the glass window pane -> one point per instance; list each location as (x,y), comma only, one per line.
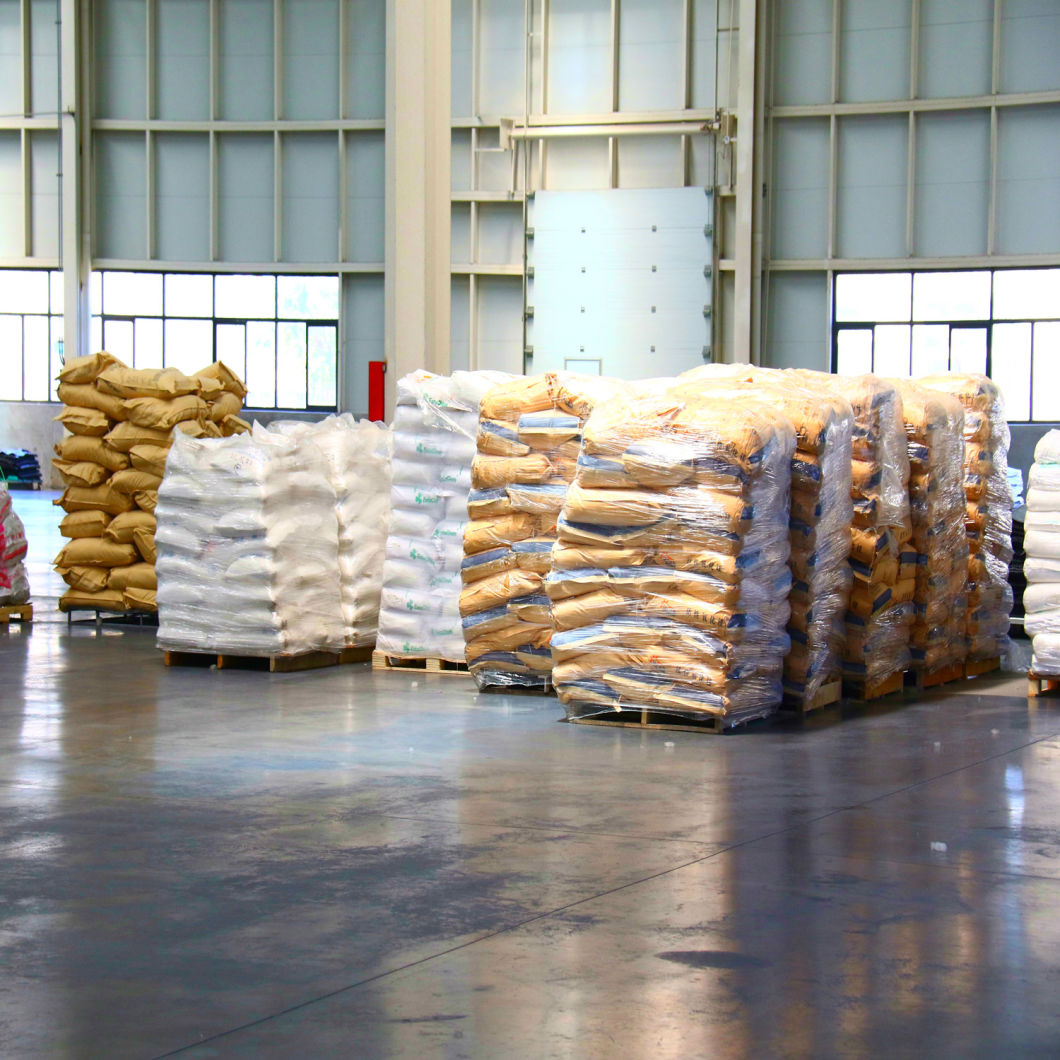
(232,347)
(931,349)
(291,366)
(1011,367)
(873,296)
(261,366)
(188,295)
(246,297)
(854,351)
(148,336)
(23,291)
(1046,371)
(36,358)
(1032,294)
(951,296)
(55,282)
(891,354)
(56,354)
(129,294)
(323,367)
(308,297)
(118,339)
(967,349)
(189,344)
(95,334)
(10,358)
(95,292)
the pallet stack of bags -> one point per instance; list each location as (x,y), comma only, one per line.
(988,510)
(14,585)
(934,427)
(1041,598)
(528,445)
(248,547)
(121,421)
(882,559)
(819,519)
(670,580)
(435,439)
(357,457)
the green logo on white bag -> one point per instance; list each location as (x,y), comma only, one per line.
(447,478)
(427,498)
(440,532)
(413,649)
(430,450)
(415,553)
(410,606)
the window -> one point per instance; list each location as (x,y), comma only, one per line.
(1004,323)
(280,333)
(31,333)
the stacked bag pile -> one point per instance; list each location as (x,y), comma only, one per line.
(528,445)
(121,421)
(819,519)
(1041,598)
(988,510)
(357,459)
(14,585)
(934,426)
(670,583)
(248,547)
(20,466)
(435,435)
(882,559)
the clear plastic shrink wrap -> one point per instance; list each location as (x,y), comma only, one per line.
(988,509)
(14,585)
(934,426)
(357,459)
(435,441)
(820,515)
(247,544)
(529,436)
(1041,598)
(121,421)
(882,557)
(670,579)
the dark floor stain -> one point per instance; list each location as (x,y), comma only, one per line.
(428,1019)
(713,959)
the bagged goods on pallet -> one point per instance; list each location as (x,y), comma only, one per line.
(121,421)
(1041,542)
(248,546)
(435,431)
(882,558)
(934,426)
(14,585)
(669,587)
(988,512)
(819,518)
(528,452)
(357,460)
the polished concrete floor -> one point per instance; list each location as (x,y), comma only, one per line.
(347,864)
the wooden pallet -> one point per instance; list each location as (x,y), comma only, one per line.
(981,666)
(1041,685)
(422,664)
(924,679)
(22,612)
(825,696)
(864,691)
(646,719)
(274,664)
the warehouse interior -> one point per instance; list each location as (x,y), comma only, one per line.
(333,198)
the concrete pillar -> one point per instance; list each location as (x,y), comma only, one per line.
(747,205)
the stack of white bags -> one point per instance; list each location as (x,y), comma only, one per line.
(435,434)
(1041,599)
(14,585)
(252,528)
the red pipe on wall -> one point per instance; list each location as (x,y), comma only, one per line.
(377,391)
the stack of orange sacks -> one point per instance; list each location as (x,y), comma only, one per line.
(121,421)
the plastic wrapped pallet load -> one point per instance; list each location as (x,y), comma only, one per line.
(357,459)
(819,517)
(882,558)
(248,546)
(934,425)
(528,451)
(435,434)
(670,580)
(14,585)
(121,421)
(1041,598)
(988,510)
